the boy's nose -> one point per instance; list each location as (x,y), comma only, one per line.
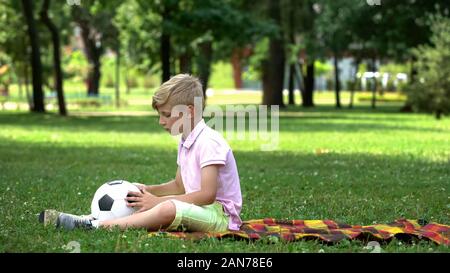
(162,121)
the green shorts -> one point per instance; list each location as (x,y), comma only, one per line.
(190,217)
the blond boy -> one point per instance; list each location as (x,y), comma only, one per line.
(205,194)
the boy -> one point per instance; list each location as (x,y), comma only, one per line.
(205,194)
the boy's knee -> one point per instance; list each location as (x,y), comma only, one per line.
(167,210)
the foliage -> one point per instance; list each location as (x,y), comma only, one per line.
(75,65)
(322,68)
(221,76)
(139,27)
(255,61)
(393,68)
(431,93)
(13,37)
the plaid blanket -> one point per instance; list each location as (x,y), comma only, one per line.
(327,231)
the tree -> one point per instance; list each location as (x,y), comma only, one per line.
(333,27)
(35,60)
(56,56)
(168,8)
(139,38)
(157,18)
(303,46)
(13,43)
(94,19)
(431,93)
(388,31)
(273,67)
(209,30)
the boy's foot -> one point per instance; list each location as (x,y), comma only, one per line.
(64,220)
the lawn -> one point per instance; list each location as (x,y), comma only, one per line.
(356,166)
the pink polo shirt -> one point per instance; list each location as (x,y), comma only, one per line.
(205,146)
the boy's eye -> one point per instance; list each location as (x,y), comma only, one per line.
(166,115)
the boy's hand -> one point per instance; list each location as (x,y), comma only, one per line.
(142,201)
(139,185)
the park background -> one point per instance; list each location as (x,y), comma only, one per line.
(363,89)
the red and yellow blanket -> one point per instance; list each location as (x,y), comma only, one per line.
(325,230)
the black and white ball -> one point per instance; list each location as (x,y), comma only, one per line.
(109,200)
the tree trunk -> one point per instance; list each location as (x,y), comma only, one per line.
(117,83)
(374,85)
(186,62)
(165,57)
(413,71)
(407,107)
(38,94)
(300,79)
(56,57)
(337,85)
(237,68)
(438,114)
(291,96)
(26,77)
(127,84)
(93,54)
(19,84)
(94,77)
(165,44)
(309,85)
(273,86)
(355,79)
(291,84)
(93,50)
(204,64)
(273,83)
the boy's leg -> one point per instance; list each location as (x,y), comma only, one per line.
(64,220)
(160,216)
(206,218)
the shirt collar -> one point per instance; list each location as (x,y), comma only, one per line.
(187,143)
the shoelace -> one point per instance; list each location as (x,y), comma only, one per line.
(85,223)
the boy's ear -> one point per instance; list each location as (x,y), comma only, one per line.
(191,110)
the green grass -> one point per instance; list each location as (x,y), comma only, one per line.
(357,166)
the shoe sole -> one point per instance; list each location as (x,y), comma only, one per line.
(48,217)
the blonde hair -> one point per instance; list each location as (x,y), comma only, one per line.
(181,89)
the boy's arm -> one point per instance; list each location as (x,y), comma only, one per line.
(205,196)
(207,193)
(173,187)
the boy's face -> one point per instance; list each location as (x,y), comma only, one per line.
(167,121)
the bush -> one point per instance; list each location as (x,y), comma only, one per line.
(431,91)
(75,66)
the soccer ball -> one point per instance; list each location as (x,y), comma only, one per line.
(109,200)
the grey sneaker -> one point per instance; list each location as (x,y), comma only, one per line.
(64,220)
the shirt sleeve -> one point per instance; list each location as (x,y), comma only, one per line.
(212,152)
